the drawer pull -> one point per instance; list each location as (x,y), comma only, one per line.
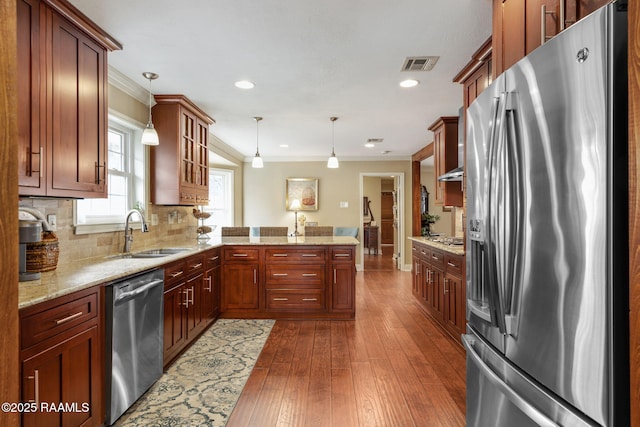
(435,257)
(309,274)
(176,274)
(240,255)
(310,255)
(215,258)
(282,255)
(196,266)
(309,299)
(342,255)
(66,319)
(280,274)
(281,299)
(451,264)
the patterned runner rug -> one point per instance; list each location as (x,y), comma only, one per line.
(202,387)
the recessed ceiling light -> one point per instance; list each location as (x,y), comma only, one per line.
(369,145)
(244,84)
(284,145)
(409,83)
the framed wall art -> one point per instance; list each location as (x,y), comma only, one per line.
(305,191)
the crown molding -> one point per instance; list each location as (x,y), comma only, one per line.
(128,86)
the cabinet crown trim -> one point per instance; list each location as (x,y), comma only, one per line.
(185,102)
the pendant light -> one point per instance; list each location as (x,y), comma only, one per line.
(332,163)
(149,135)
(257,160)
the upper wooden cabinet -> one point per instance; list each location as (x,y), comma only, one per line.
(520,26)
(445,155)
(62,101)
(180,164)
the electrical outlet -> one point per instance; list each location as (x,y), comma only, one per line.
(179,218)
(154,219)
(53,222)
(344,204)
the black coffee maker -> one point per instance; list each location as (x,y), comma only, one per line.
(30,231)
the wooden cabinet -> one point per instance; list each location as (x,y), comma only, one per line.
(240,275)
(184,314)
(175,302)
(371,241)
(61,360)
(445,152)
(295,279)
(180,164)
(439,286)
(343,279)
(211,288)
(518,25)
(62,101)
(288,281)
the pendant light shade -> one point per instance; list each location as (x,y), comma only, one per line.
(149,135)
(257,160)
(333,163)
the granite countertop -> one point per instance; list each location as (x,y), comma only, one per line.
(75,276)
(454,249)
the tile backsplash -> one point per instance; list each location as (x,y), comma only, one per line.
(74,247)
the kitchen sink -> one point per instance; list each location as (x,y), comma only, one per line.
(152,253)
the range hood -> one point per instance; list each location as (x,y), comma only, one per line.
(457,173)
(453,175)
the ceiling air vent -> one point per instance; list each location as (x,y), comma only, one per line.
(419,63)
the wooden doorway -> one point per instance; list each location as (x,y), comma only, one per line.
(386,218)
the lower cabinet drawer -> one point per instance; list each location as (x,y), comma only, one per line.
(300,275)
(294,299)
(45,324)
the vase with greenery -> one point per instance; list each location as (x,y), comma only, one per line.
(426,221)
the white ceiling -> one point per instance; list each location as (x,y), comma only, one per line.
(309,60)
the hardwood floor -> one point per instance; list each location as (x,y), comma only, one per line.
(392,366)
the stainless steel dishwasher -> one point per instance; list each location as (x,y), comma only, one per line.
(134,331)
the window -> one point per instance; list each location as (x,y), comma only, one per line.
(220,199)
(125,183)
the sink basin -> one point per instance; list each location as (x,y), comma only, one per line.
(152,253)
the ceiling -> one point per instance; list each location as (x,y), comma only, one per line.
(309,60)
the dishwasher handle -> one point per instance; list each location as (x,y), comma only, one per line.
(127,296)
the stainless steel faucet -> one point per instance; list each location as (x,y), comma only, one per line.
(128,231)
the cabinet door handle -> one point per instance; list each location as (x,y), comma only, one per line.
(280,255)
(36,386)
(309,274)
(255,276)
(446,288)
(562,15)
(280,274)
(186,298)
(281,299)
(103,166)
(543,22)
(309,299)
(30,154)
(240,255)
(335,276)
(176,274)
(68,318)
(208,279)
(196,266)
(192,294)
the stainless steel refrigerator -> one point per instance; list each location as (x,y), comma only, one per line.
(547,272)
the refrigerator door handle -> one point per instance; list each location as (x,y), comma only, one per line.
(493,288)
(528,409)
